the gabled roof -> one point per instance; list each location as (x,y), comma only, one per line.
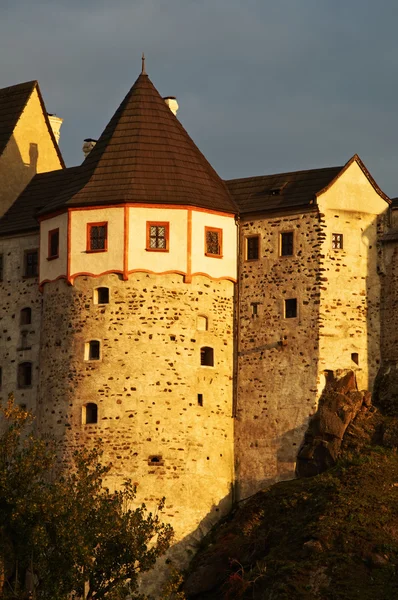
(21,216)
(283,191)
(13,100)
(145,156)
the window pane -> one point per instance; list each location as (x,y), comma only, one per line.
(287,243)
(213,242)
(337,241)
(291,308)
(31,263)
(252,248)
(157,237)
(54,243)
(98,237)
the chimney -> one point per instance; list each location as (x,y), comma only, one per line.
(172,103)
(88,145)
(55,123)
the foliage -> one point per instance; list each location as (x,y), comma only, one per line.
(64,530)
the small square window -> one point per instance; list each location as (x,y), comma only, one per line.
(92,350)
(253,247)
(101,295)
(31,263)
(286,241)
(291,308)
(53,243)
(157,236)
(97,237)
(337,241)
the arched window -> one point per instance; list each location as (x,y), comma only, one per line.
(26,316)
(90,414)
(207,356)
(92,350)
(101,295)
(202,323)
(24,375)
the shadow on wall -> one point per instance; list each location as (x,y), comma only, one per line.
(15,174)
(180,554)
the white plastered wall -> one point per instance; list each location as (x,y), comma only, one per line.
(158,262)
(215,267)
(51,269)
(82,261)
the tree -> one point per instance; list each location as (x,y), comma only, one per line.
(61,530)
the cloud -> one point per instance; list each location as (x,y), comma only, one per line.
(263,86)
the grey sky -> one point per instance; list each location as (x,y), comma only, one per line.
(263,85)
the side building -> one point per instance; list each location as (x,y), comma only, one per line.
(309,302)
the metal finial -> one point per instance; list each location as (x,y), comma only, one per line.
(143,72)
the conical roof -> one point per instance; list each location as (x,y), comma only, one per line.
(145,156)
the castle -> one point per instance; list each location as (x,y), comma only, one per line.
(186,321)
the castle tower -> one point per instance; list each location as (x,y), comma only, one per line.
(137,268)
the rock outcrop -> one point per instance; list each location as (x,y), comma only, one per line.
(338,406)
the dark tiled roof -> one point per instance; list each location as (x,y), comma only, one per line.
(281,191)
(12,102)
(21,216)
(145,155)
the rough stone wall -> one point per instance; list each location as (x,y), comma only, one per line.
(349,319)
(389,312)
(146,386)
(278,356)
(18,343)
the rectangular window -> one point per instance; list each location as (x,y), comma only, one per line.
(253,247)
(1,267)
(337,241)
(53,243)
(31,263)
(213,242)
(157,236)
(97,237)
(286,242)
(291,308)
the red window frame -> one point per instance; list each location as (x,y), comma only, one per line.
(219,232)
(51,234)
(166,226)
(90,227)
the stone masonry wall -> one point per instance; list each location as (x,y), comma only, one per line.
(146,386)
(350,295)
(389,312)
(18,343)
(278,356)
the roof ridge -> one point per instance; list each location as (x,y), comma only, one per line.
(284,173)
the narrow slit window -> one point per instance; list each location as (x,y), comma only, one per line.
(286,242)
(207,356)
(253,247)
(200,399)
(101,295)
(97,237)
(1,267)
(24,375)
(1,377)
(31,263)
(254,308)
(53,243)
(157,236)
(26,316)
(213,242)
(337,241)
(291,308)
(155,460)
(90,414)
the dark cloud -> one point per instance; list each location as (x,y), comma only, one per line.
(263,86)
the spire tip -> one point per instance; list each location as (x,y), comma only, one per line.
(143,71)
